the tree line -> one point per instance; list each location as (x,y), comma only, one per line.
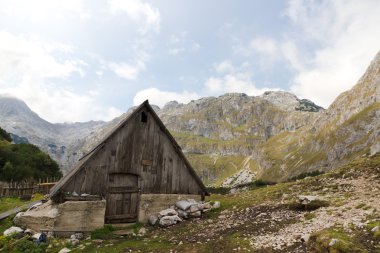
(19,162)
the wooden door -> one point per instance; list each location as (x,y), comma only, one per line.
(122,198)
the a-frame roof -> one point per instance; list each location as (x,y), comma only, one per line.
(64,180)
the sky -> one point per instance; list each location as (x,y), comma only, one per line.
(81,60)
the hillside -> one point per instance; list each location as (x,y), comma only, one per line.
(234,139)
(20,162)
(344,218)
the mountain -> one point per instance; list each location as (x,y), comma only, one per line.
(61,141)
(234,138)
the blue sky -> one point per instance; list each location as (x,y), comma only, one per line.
(79,60)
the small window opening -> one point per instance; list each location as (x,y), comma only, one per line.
(144,117)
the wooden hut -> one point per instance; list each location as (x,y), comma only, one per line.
(138,168)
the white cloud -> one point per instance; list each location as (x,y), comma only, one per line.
(264,45)
(160,98)
(347,32)
(224,67)
(233,82)
(127,71)
(39,10)
(27,67)
(139,12)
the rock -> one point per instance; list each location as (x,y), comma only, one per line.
(13,231)
(74,242)
(332,242)
(305,237)
(183,214)
(36,236)
(64,250)
(167,221)
(152,220)
(184,204)
(196,214)
(142,231)
(204,206)
(28,231)
(167,212)
(194,208)
(307,199)
(216,205)
(78,236)
(375,229)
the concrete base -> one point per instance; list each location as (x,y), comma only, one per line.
(65,218)
(154,203)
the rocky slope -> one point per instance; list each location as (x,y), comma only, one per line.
(350,127)
(235,138)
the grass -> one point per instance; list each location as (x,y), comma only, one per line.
(8,203)
(345,243)
(103,233)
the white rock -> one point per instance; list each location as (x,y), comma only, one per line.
(306,199)
(305,237)
(168,212)
(152,220)
(12,230)
(375,229)
(183,214)
(169,220)
(196,214)
(194,208)
(36,236)
(64,250)
(142,231)
(216,205)
(332,242)
(184,204)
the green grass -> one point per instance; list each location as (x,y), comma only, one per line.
(345,242)
(103,233)
(9,203)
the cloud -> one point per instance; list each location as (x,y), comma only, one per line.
(160,98)
(39,10)
(138,11)
(28,68)
(347,32)
(227,79)
(127,71)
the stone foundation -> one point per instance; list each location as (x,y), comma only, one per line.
(154,203)
(69,217)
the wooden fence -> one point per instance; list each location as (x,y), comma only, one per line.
(28,188)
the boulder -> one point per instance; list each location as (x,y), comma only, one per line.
(36,236)
(196,214)
(194,208)
(167,221)
(152,220)
(167,212)
(183,214)
(13,231)
(307,199)
(184,204)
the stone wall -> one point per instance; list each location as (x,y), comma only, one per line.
(68,217)
(154,203)
(80,216)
